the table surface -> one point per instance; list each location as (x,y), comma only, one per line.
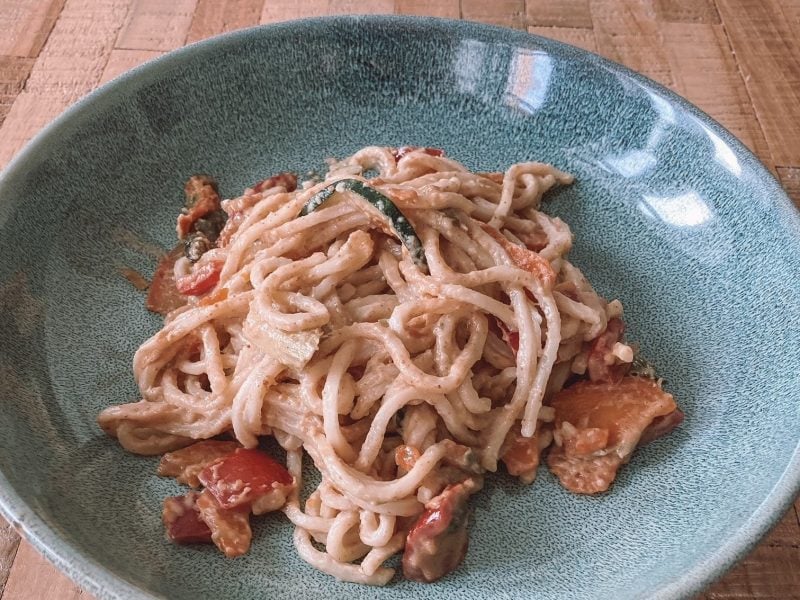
(739,60)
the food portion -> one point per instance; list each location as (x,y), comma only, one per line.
(598,425)
(409,333)
(237,482)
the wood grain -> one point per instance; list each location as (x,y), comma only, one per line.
(32,577)
(9,542)
(739,60)
(69,66)
(687,11)
(25,25)
(559,13)
(508,13)
(580,37)
(446,9)
(705,72)
(360,7)
(122,60)
(156,25)
(213,17)
(14,72)
(768,54)
(285,10)
(628,32)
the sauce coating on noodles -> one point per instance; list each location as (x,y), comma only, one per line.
(407,333)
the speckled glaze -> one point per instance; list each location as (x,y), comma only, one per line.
(670,213)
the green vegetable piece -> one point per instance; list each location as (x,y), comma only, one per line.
(643,367)
(384,206)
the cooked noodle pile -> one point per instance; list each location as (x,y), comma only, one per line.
(396,377)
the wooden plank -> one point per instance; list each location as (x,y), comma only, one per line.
(687,11)
(627,32)
(580,37)
(286,10)
(508,13)
(26,24)
(213,17)
(70,65)
(790,179)
(360,7)
(559,13)
(14,72)
(156,25)
(9,542)
(709,77)
(123,60)
(446,9)
(791,11)
(34,578)
(768,53)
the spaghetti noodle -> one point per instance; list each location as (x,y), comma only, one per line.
(405,381)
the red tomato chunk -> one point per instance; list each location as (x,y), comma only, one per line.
(601,424)
(401,152)
(185,464)
(248,477)
(202,279)
(437,543)
(182,520)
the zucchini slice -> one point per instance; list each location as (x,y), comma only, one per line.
(380,204)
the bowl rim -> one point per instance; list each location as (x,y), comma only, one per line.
(104,583)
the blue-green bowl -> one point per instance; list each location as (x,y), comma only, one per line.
(671,214)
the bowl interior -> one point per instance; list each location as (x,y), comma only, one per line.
(670,214)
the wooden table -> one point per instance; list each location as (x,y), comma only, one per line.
(739,60)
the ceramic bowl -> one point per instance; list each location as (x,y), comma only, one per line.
(671,214)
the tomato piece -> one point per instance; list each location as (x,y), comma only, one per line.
(203,278)
(625,409)
(230,528)
(406,457)
(201,199)
(248,477)
(401,152)
(523,454)
(600,363)
(584,475)
(181,518)
(438,540)
(661,426)
(285,179)
(586,441)
(185,464)
(163,296)
(509,337)
(600,425)
(523,258)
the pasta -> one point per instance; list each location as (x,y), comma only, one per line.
(405,347)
